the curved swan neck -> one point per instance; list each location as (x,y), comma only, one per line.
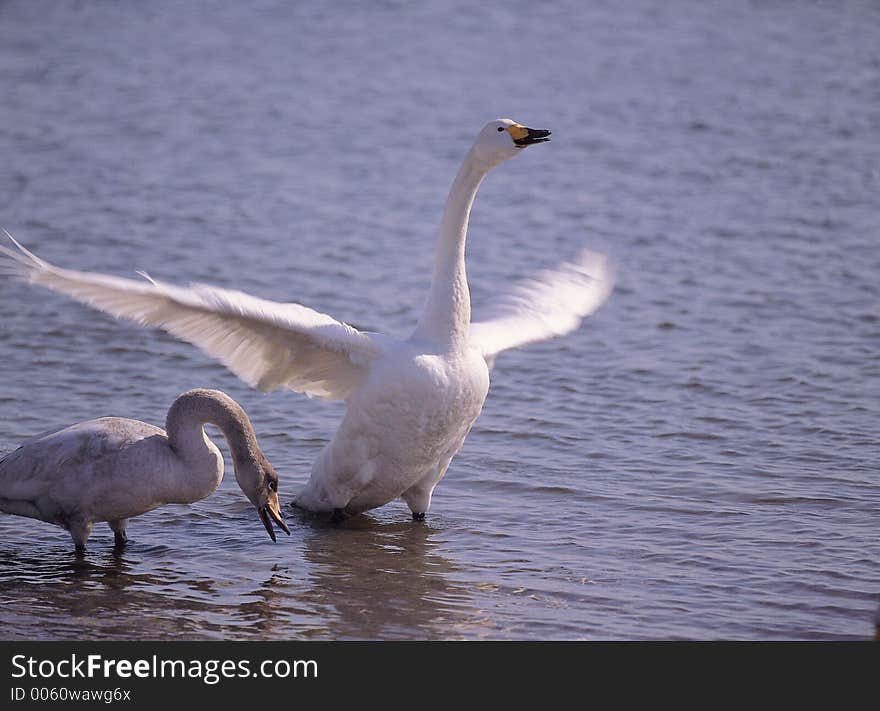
(447,313)
(185,422)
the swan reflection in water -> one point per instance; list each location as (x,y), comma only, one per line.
(381,578)
(369,578)
(139,592)
(55,595)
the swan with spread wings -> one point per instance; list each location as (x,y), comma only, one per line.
(410,403)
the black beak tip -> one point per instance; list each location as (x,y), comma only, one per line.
(267,523)
(277,518)
(534,135)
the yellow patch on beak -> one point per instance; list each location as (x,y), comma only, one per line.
(517,132)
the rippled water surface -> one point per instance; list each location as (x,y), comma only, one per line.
(700,460)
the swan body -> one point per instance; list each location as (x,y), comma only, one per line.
(400,431)
(410,402)
(111,469)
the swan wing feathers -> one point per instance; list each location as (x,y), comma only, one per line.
(42,461)
(552,303)
(265,343)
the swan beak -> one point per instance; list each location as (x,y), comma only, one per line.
(523,136)
(269,513)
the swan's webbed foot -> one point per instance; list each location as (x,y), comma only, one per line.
(79,549)
(418,516)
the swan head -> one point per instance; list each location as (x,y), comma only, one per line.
(259,482)
(503,138)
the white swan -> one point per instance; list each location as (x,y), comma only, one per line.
(411,402)
(112,468)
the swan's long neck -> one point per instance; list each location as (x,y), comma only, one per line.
(184,426)
(447,314)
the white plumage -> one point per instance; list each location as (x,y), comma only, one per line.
(410,402)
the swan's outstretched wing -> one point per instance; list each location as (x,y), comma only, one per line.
(265,343)
(552,303)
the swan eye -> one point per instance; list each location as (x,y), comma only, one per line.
(500,129)
(273,486)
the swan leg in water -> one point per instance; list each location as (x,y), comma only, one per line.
(118,527)
(418,496)
(112,468)
(410,402)
(80,529)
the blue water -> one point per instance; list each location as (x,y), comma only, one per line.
(700,460)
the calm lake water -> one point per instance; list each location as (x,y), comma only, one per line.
(700,460)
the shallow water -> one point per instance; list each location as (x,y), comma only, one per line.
(698,461)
